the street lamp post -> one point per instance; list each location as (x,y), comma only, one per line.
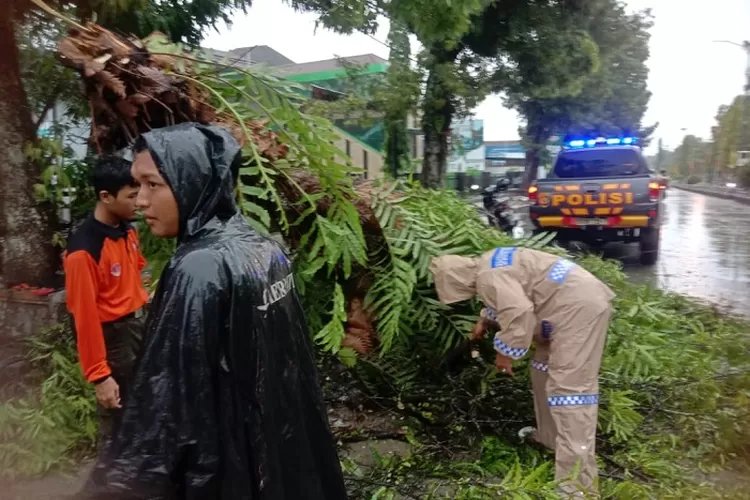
(743,154)
(746,47)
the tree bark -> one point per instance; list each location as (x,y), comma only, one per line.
(531,172)
(433,164)
(26,251)
(397,144)
(437,113)
(536,136)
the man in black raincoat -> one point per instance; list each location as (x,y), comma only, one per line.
(225,402)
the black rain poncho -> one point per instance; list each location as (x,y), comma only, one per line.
(225,402)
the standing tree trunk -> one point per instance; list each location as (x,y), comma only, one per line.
(531,172)
(536,138)
(435,153)
(437,113)
(399,107)
(397,144)
(26,250)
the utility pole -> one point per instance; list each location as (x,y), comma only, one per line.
(660,156)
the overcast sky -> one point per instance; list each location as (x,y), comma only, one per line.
(689,75)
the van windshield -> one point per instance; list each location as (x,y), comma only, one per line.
(599,163)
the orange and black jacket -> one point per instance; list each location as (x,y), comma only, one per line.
(103,283)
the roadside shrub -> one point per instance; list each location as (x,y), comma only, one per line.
(57,424)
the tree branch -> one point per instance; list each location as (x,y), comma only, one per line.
(49,104)
(46,8)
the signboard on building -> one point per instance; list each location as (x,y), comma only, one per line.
(466,145)
(505,150)
(499,153)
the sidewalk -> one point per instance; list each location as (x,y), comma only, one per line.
(736,194)
(52,486)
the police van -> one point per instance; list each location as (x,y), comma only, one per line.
(600,190)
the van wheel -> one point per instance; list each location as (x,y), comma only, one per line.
(649,244)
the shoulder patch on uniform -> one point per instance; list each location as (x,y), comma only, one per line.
(560,270)
(503,257)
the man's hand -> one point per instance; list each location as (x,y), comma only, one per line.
(108,393)
(479,331)
(504,364)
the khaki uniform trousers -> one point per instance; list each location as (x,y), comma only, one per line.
(564,378)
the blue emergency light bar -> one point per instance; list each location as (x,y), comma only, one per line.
(601,141)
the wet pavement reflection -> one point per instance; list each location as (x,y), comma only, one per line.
(705,251)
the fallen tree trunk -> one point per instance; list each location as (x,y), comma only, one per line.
(132,90)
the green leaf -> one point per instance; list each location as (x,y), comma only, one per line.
(332,334)
(258,212)
(255,192)
(348,357)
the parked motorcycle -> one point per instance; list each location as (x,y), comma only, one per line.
(499,212)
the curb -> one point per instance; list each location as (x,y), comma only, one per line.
(715,192)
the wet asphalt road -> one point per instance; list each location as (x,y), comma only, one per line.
(705,251)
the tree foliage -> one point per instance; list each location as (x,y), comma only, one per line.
(527,44)
(344,16)
(434,23)
(55,98)
(46,81)
(726,135)
(605,91)
(183,21)
(691,158)
(452,75)
(729,136)
(717,158)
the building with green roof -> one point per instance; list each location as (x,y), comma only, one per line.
(327,79)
